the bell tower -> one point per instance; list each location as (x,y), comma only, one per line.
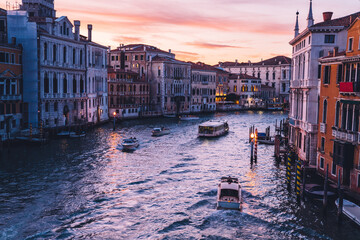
(39,8)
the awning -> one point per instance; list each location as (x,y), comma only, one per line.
(349,101)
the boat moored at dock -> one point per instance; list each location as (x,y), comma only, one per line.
(213,128)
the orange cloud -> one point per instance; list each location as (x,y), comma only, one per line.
(210,45)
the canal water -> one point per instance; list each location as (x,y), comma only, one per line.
(166,189)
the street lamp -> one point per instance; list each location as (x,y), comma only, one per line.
(114,113)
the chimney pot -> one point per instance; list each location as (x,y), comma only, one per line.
(327,16)
(77,30)
(89,32)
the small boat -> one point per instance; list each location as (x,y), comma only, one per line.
(156,132)
(316,192)
(189,117)
(229,193)
(78,135)
(351,210)
(213,128)
(65,134)
(170,115)
(130,144)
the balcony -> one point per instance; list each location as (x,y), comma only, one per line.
(346,135)
(323,127)
(349,87)
(10,98)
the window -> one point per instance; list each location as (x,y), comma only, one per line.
(65,85)
(54,53)
(329,38)
(46,83)
(74,85)
(322,146)
(339,73)
(47,107)
(273,75)
(141,57)
(324,116)
(12,58)
(74,56)
(159,71)
(333,168)
(350,47)
(2,25)
(136,57)
(81,57)
(55,84)
(322,160)
(45,51)
(337,114)
(358,180)
(267,75)
(326,79)
(64,55)
(55,107)
(299,140)
(235,88)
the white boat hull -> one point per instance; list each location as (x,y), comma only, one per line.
(351,210)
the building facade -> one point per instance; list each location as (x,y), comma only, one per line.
(170,85)
(274,72)
(245,89)
(339,112)
(308,46)
(128,94)
(203,88)
(72,72)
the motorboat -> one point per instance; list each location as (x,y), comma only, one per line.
(130,144)
(156,132)
(189,117)
(65,134)
(213,128)
(351,210)
(170,115)
(229,193)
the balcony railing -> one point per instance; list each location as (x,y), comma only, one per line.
(349,87)
(10,98)
(346,135)
(323,127)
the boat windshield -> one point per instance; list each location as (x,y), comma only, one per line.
(206,130)
(229,193)
(128,140)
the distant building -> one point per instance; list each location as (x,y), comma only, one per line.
(12,116)
(203,88)
(128,95)
(308,46)
(274,72)
(65,74)
(245,90)
(339,110)
(170,85)
(222,84)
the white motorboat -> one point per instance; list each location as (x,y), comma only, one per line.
(351,210)
(130,144)
(229,193)
(213,128)
(156,132)
(189,117)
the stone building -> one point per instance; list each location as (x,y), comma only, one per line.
(274,72)
(339,112)
(170,85)
(203,88)
(245,90)
(12,116)
(128,94)
(308,46)
(72,72)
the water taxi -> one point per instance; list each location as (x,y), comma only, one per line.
(156,132)
(213,128)
(130,144)
(229,193)
(351,210)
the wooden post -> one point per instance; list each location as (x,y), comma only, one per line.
(341,199)
(325,188)
(251,152)
(303,183)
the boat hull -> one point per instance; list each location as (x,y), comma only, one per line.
(228,205)
(351,210)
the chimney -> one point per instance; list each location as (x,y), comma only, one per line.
(236,61)
(13,41)
(327,16)
(49,22)
(169,50)
(336,50)
(89,32)
(77,30)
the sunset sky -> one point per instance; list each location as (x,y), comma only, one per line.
(204,30)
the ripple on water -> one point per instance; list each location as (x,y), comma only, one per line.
(176,225)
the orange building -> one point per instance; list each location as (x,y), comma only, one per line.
(339,112)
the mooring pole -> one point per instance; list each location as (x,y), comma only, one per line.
(298,179)
(288,172)
(303,183)
(251,152)
(256,143)
(341,198)
(325,188)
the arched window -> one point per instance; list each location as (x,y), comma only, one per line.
(273,75)
(46,83)
(350,117)
(337,114)
(74,85)
(343,116)
(81,85)
(55,84)
(324,111)
(65,84)
(54,53)
(74,56)
(64,55)
(45,51)
(81,57)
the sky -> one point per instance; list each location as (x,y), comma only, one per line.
(200,30)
